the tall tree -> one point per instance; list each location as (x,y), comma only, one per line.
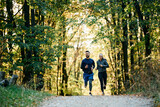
(145,27)
(125,46)
(2,42)
(28,72)
(64,57)
(12,25)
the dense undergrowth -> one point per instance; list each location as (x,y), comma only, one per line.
(146,81)
(18,96)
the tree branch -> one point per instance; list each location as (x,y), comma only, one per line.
(19,10)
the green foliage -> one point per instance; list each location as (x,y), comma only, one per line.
(42,49)
(17,96)
(110,17)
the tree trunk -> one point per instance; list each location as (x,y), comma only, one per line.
(64,71)
(12,24)
(145,28)
(131,39)
(125,47)
(27,66)
(58,68)
(131,29)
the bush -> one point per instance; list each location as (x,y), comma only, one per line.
(17,96)
(146,80)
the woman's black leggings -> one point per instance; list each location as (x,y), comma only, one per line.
(103,79)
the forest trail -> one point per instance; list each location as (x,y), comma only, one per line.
(98,101)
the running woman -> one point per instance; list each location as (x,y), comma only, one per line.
(102,74)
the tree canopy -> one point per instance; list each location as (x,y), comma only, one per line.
(43,41)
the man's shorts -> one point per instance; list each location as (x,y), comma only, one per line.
(87,76)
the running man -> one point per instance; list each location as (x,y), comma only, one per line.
(102,74)
(87,66)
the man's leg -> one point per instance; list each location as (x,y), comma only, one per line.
(90,85)
(85,77)
(101,81)
(90,82)
(85,83)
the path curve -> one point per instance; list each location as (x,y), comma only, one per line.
(98,101)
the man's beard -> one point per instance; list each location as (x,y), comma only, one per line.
(87,56)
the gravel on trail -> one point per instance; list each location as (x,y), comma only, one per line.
(98,101)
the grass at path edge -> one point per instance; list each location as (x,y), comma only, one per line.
(18,96)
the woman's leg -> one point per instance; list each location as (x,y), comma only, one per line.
(104,79)
(101,80)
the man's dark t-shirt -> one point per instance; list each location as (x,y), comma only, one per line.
(90,63)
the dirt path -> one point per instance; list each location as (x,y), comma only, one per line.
(98,101)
